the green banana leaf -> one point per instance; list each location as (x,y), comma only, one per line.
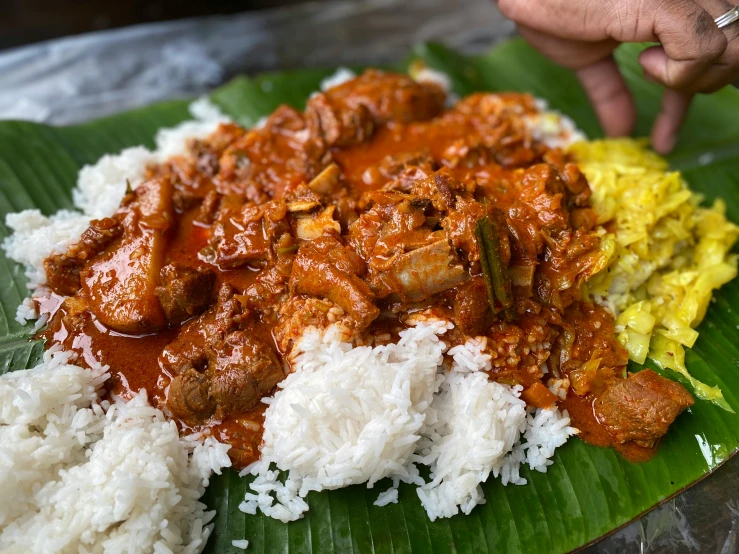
(589,491)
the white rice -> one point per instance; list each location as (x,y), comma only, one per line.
(552,127)
(101,186)
(339,77)
(356,415)
(26,311)
(473,423)
(96,476)
(345,416)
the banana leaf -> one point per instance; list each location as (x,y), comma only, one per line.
(589,491)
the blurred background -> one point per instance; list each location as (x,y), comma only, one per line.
(26,21)
(110,63)
(67,62)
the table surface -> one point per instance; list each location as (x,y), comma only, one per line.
(75,79)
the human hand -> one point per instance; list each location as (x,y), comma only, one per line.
(694,55)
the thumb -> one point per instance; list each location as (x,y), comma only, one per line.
(607,90)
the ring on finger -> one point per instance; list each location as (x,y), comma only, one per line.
(728,18)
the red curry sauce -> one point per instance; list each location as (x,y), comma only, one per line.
(359,211)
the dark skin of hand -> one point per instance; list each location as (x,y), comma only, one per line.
(693,55)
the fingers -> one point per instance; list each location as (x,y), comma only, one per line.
(598,74)
(693,55)
(667,125)
(687,71)
(607,90)
(582,20)
(717,8)
(691,44)
(724,71)
(689,38)
(569,53)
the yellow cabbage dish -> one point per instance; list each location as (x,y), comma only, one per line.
(667,253)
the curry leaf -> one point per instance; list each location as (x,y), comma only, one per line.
(588,491)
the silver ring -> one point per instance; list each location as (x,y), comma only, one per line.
(728,18)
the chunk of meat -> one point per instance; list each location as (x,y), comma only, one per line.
(63,270)
(217,366)
(244,233)
(443,190)
(339,123)
(120,284)
(460,227)
(454,204)
(273,160)
(393,166)
(242,370)
(543,188)
(327,269)
(396,224)
(209,208)
(578,189)
(185,291)
(404,255)
(641,407)
(502,133)
(347,114)
(471,308)
(391,96)
(570,258)
(190,348)
(188,397)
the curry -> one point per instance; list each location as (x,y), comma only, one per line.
(375,203)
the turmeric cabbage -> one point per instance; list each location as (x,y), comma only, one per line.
(667,257)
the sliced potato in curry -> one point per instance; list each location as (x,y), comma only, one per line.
(121,283)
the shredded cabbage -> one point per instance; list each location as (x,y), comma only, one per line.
(669,253)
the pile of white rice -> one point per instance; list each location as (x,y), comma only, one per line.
(80,475)
(350,415)
(94,476)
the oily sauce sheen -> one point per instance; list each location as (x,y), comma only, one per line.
(359,212)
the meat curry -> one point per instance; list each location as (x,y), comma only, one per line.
(375,203)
